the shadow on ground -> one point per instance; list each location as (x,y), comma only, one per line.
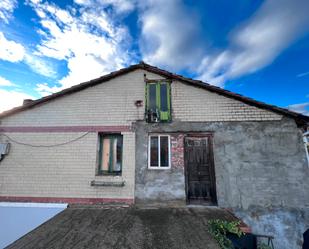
(125,228)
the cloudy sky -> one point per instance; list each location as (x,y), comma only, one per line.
(256,48)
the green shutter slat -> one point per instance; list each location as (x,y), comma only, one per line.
(158,99)
(166,115)
(111,152)
(100,153)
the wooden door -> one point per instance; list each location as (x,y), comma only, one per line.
(200,174)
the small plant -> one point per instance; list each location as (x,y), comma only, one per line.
(219,228)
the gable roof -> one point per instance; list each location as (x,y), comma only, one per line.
(300,119)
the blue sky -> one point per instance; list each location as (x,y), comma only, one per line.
(256,48)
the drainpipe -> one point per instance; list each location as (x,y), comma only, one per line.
(306,142)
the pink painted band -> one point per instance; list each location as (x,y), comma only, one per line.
(66,200)
(65,128)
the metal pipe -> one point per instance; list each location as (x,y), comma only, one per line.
(306,143)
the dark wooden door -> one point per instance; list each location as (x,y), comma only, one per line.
(200,175)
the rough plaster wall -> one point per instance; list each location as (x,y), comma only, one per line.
(256,163)
(195,104)
(157,185)
(62,171)
(286,224)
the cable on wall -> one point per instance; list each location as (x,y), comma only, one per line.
(45,146)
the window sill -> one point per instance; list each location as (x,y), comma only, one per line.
(96,183)
(109,174)
(159,168)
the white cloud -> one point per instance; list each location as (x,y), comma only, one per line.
(16,52)
(170,34)
(10,99)
(300,108)
(6,9)
(43,89)
(40,66)
(5,82)
(258,42)
(88,40)
(120,6)
(10,50)
(303,74)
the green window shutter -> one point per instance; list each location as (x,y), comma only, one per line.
(161,101)
(164,101)
(152,96)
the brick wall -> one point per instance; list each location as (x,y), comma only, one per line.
(195,104)
(177,150)
(67,171)
(110,103)
(62,171)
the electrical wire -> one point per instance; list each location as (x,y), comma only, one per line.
(45,146)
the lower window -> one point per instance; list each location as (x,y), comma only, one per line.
(110,154)
(159,152)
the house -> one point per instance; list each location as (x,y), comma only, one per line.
(146,136)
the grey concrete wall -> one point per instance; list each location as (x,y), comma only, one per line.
(256,163)
(153,185)
(286,224)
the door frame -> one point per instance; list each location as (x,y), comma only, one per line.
(210,136)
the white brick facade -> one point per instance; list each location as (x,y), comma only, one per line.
(195,104)
(62,171)
(110,103)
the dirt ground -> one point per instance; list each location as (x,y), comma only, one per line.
(171,228)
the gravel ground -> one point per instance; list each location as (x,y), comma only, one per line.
(112,227)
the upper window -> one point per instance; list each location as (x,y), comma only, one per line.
(158,102)
(110,154)
(159,152)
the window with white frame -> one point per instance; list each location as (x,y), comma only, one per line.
(159,152)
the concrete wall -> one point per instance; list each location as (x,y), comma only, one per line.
(287,225)
(260,163)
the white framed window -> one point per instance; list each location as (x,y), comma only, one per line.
(159,151)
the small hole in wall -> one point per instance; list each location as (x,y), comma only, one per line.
(138,103)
